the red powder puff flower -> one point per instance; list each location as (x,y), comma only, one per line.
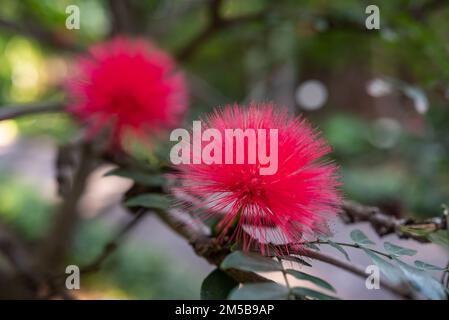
(288,205)
(128,87)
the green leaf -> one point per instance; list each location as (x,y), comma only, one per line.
(150,201)
(252,262)
(143,178)
(398,251)
(389,270)
(260,291)
(440,237)
(217,285)
(297,260)
(339,248)
(423,282)
(315,280)
(306,292)
(360,238)
(426,266)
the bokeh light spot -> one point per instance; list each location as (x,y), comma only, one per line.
(311,95)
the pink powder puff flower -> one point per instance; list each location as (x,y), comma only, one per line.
(287,207)
(127,87)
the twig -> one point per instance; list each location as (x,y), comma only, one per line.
(206,247)
(120,16)
(10,112)
(284,274)
(351,245)
(216,24)
(401,291)
(445,276)
(112,245)
(96,264)
(385,224)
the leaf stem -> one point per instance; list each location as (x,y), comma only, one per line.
(352,245)
(290,295)
(399,290)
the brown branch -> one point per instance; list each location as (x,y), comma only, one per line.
(79,157)
(209,249)
(121,20)
(385,224)
(54,246)
(108,249)
(206,247)
(215,25)
(14,111)
(203,245)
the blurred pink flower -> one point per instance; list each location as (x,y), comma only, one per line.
(128,87)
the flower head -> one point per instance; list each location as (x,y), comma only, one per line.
(286,206)
(128,87)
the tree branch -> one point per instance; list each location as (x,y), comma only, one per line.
(216,24)
(385,224)
(112,245)
(121,17)
(206,247)
(54,246)
(14,111)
